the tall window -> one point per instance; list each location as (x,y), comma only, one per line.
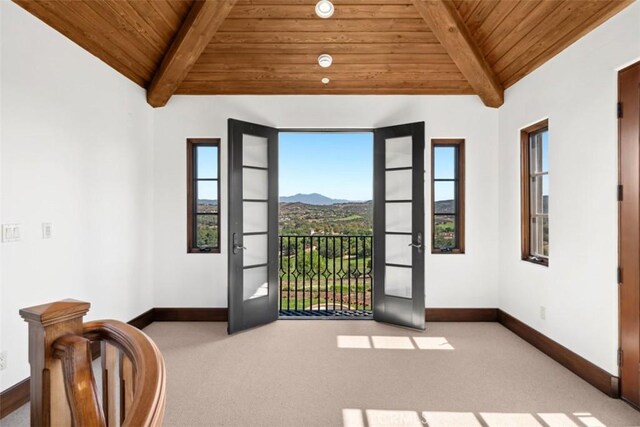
(203,195)
(535,193)
(447,195)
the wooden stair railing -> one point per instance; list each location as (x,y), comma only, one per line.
(63,387)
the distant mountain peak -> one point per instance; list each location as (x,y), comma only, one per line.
(311,199)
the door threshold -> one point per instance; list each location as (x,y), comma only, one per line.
(326,314)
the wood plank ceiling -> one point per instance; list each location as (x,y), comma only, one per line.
(272,46)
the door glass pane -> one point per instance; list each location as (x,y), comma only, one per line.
(397,249)
(256,251)
(444,194)
(398,217)
(397,281)
(398,152)
(254,218)
(207,231)
(255,283)
(255,184)
(444,233)
(444,162)
(207,197)
(398,185)
(207,165)
(254,151)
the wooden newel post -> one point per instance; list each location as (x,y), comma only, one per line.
(47,323)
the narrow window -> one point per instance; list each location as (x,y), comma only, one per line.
(535,193)
(203,195)
(447,195)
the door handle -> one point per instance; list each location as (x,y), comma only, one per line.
(237,246)
(417,245)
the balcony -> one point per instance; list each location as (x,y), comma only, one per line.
(325,276)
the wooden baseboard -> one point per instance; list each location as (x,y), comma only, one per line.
(461,314)
(190,314)
(144,320)
(14,397)
(594,375)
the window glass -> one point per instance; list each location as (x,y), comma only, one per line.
(447,193)
(536,193)
(203,194)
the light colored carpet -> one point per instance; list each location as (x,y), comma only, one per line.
(366,374)
(292,373)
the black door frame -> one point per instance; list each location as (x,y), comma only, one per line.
(238,320)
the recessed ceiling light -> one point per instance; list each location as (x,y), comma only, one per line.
(324,9)
(325,80)
(325,60)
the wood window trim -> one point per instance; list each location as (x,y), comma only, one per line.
(460,199)
(192,143)
(525,193)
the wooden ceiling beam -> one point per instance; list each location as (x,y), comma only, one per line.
(445,22)
(199,27)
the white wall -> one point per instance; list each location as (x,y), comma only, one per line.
(577,91)
(76,152)
(80,148)
(183,279)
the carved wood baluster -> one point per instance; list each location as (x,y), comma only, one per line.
(47,323)
(81,389)
(127,386)
(109,382)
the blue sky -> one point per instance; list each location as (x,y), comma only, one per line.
(444,162)
(207,168)
(336,165)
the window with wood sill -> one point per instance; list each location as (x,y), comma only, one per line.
(535,193)
(447,196)
(203,195)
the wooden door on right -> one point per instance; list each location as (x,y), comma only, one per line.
(629,231)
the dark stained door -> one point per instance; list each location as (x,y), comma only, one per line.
(629,218)
(398,225)
(253,225)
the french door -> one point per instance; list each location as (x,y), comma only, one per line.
(253,225)
(398,225)
(398,260)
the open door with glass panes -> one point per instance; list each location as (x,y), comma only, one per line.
(398,225)
(253,225)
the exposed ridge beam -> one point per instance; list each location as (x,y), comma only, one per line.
(199,27)
(445,22)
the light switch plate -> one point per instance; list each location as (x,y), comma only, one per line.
(10,233)
(46,230)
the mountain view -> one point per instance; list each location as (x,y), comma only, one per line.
(311,199)
(337,218)
(307,214)
(316,214)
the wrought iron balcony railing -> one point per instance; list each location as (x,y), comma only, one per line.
(325,274)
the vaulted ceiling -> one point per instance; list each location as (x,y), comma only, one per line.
(272,46)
